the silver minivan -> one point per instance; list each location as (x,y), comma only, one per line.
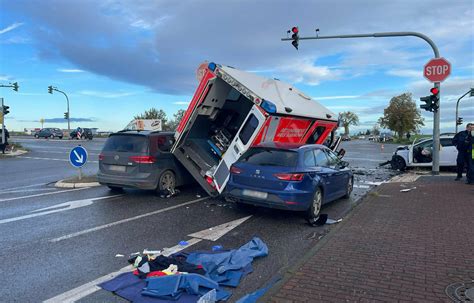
(140,159)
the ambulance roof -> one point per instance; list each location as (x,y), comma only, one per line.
(282,94)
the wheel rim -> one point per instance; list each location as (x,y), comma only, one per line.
(317,203)
(167,181)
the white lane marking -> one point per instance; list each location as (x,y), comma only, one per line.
(218,231)
(52,159)
(361,186)
(84,290)
(86,231)
(57,208)
(43,194)
(26,186)
(364,159)
(58,152)
(25,190)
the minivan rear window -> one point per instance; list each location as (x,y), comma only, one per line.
(126,144)
(270,157)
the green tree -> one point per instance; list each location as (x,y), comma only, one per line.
(348,118)
(173,124)
(154,113)
(402,115)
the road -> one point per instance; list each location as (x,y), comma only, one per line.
(55,240)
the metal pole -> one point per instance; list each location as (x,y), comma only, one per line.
(457,106)
(68,113)
(3,125)
(436,145)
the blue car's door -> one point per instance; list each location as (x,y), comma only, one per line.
(341,175)
(326,174)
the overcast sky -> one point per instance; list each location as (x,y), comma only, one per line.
(118,58)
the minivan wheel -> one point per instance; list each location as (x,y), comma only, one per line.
(36,136)
(115,188)
(315,208)
(51,136)
(167,180)
(350,187)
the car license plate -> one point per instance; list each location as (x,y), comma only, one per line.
(254,194)
(118,168)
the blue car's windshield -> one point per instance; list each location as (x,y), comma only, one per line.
(270,157)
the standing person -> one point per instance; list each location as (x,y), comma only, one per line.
(461,141)
(7,135)
(470,169)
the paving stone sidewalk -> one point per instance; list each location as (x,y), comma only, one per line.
(394,247)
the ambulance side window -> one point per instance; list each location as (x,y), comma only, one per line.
(248,129)
(315,136)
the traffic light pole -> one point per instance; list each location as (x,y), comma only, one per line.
(3,125)
(436,120)
(471,91)
(68,114)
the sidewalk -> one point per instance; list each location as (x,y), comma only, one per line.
(395,246)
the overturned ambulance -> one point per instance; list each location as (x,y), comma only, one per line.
(233,110)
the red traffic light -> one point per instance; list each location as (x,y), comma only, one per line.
(434,90)
(294,29)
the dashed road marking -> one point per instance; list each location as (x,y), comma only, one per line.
(43,194)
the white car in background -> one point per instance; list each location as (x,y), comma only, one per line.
(419,153)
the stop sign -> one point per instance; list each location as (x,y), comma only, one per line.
(437,70)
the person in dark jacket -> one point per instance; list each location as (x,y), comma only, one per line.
(461,140)
(470,151)
(3,146)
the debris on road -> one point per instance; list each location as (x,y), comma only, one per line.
(322,219)
(407,189)
(186,277)
(119,256)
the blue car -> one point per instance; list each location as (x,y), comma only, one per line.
(289,176)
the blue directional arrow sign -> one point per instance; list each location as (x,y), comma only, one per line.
(78,156)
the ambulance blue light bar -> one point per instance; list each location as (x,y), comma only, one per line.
(268,106)
(212,66)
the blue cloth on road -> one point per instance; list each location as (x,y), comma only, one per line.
(253,297)
(172,287)
(129,287)
(227,268)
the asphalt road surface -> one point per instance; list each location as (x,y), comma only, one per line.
(56,240)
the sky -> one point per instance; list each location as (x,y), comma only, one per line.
(115,59)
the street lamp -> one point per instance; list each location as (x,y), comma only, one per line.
(436,120)
(471,92)
(67,115)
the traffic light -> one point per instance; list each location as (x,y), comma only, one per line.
(459,121)
(15,86)
(66,115)
(5,110)
(295,36)
(432,101)
(434,98)
(50,89)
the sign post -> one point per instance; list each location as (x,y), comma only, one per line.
(3,127)
(78,158)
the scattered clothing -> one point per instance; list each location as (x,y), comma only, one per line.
(172,287)
(319,221)
(147,264)
(129,287)
(227,268)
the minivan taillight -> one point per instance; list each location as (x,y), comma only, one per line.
(101,157)
(142,159)
(210,181)
(289,177)
(235,170)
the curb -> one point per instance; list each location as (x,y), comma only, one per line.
(18,152)
(62,184)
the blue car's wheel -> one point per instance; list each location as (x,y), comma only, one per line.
(315,208)
(350,187)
